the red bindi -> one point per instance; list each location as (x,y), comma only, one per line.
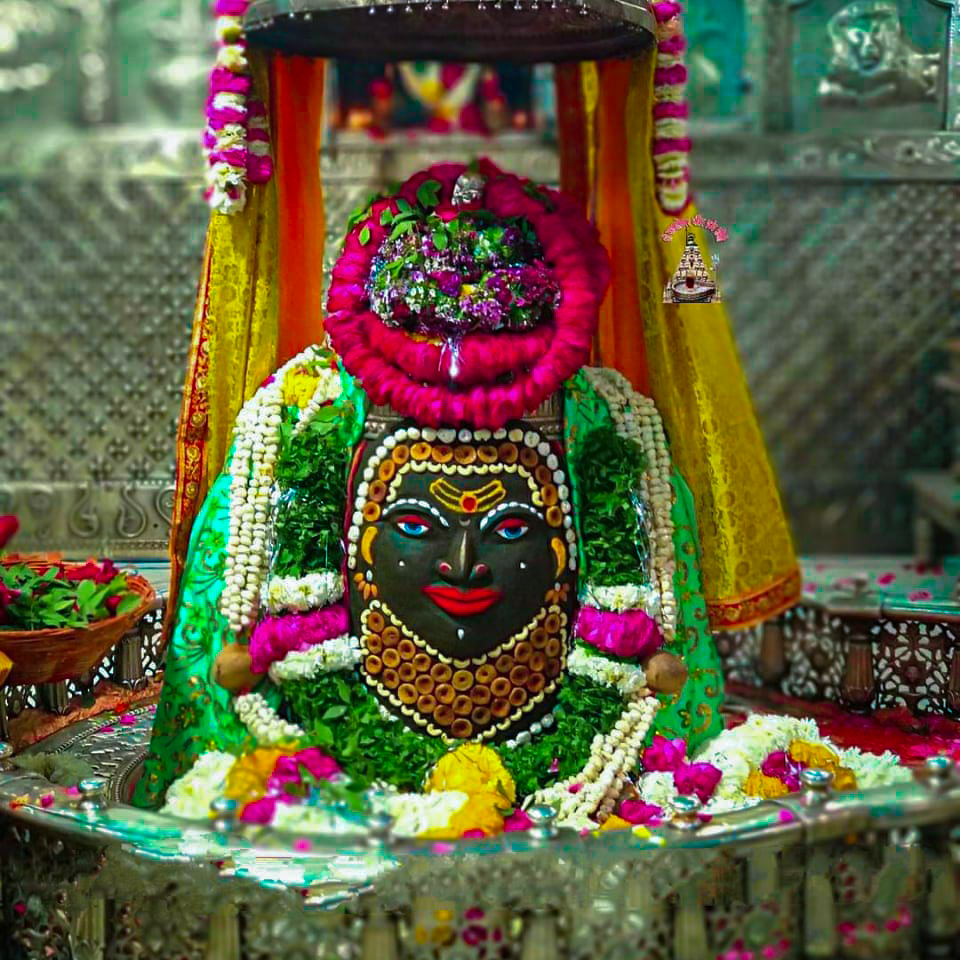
(469,504)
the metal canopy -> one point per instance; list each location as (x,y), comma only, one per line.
(521,31)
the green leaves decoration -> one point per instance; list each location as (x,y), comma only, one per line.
(340,714)
(428,193)
(49,600)
(610,468)
(584,708)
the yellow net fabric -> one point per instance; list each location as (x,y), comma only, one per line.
(694,374)
(232,351)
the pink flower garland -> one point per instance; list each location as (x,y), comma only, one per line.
(274,637)
(288,773)
(691,779)
(412,376)
(671,145)
(237,139)
(632,633)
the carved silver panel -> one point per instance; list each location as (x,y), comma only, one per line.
(100,275)
(841,296)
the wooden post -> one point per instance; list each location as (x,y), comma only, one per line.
(859,681)
(541,938)
(223,939)
(379,939)
(772,663)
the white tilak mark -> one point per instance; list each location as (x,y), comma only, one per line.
(523,566)
(460,633)
(401,563)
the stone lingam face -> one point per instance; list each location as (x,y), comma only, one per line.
(462,562)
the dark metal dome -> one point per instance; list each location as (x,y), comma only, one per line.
(524,31)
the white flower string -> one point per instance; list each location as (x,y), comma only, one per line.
(257,439)
(623,597)
(628,678)
(263,722)
(340,653)
(297,594)
(635,418)
(190,796)
(329,387)
(613,756)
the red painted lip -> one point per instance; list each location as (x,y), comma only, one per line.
(463,603)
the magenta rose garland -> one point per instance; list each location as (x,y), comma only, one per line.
(451,379)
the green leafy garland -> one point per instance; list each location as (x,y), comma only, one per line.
(609,469)
(63,595)
(341,715)
(312,472)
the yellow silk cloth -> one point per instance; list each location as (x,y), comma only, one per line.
(233,347)
(683,355)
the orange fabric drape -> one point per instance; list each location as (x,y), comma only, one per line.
(620,338)
(297,90)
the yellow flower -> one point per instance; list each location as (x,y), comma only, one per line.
(247,779)
(482,811)
(844,779)
(814,755)
(477,771)
(760,785)
(473,769)
(614,822)
(823,758)
(298,387)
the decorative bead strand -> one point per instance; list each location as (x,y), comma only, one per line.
(328,388)
(266,726)
(257,436)
(612,757)
(636,418)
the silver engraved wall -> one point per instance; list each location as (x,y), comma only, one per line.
(834,160)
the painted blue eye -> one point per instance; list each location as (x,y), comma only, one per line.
(511,529)
(412,526)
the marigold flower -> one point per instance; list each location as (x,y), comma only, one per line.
(247,779)
(760,785)
(298,387)
(474,770)
(813,755)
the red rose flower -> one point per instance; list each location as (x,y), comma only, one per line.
(700,779)
(9,525)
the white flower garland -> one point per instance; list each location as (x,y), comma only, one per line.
(612,757)
(339,653)
(623,597)
(329,387)
(636,418)
(738,751)
(190,796)
(257,436)
(297,594)
(264,723)
(628,678)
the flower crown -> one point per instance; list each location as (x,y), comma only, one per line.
(468,296)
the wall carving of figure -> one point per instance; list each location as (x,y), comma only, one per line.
(432,96)
(28,37)
(874,63)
